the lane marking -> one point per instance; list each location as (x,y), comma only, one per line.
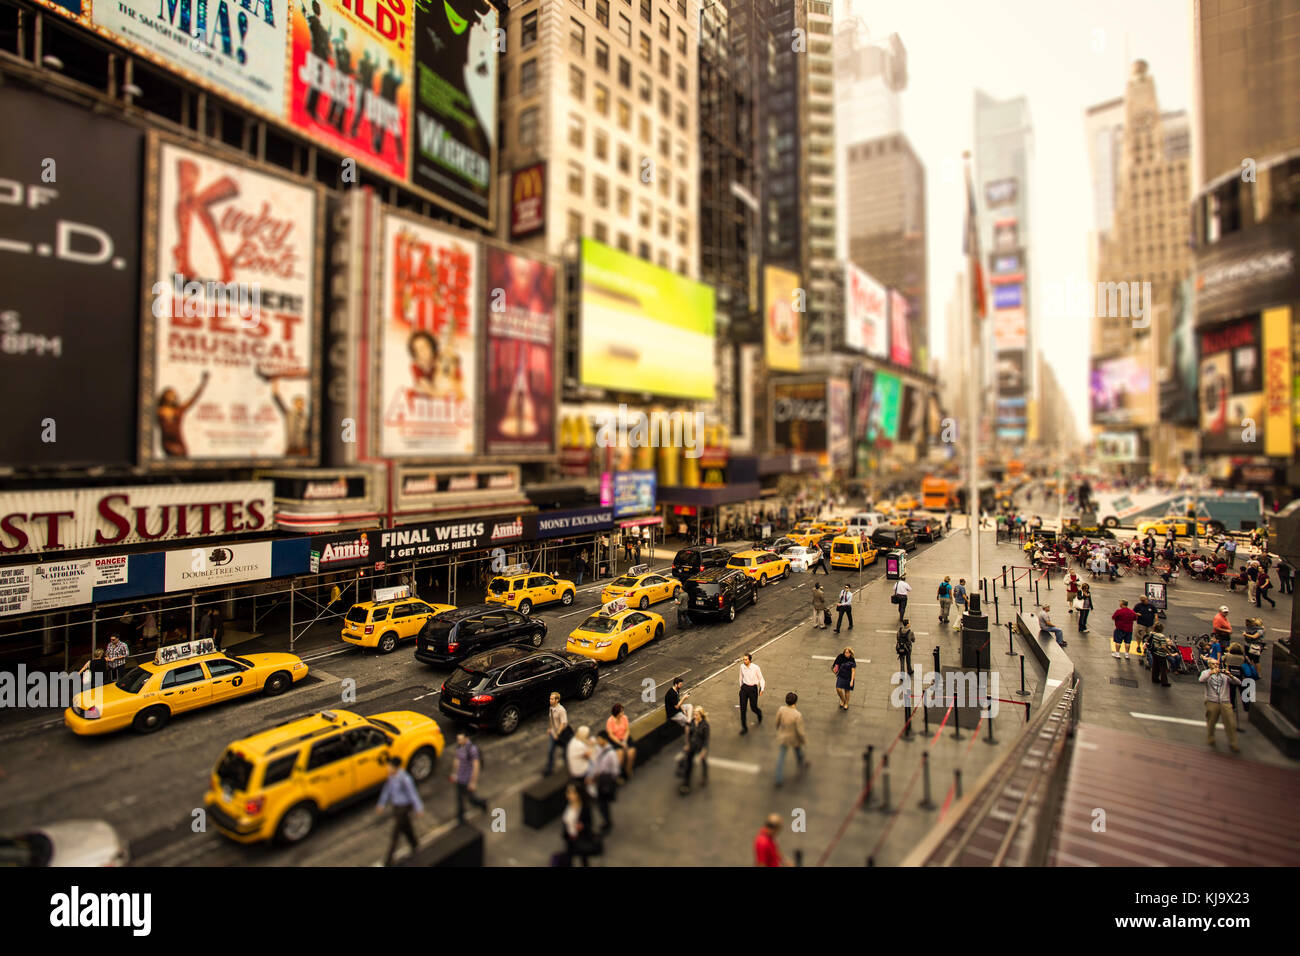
(737,765)
(822,657)
(1168,720)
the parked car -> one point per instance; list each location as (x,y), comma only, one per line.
(66,843)
(893,536)
(499,688)
(689,562)
(776,545)
(381,624)
(761,566)
(926,529)
(455,635)
(865,522)
(528,590)
(721,593)
(801,558)
(850,551)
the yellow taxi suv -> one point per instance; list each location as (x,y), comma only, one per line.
(181,677)
(640,588)
(275,785)
(524,590)
(614,632)
(851,551)
(807,536)
(906,503)
(1182,527)
(761,566)
(380,624)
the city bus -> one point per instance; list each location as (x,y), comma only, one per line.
(937,494)
(1220,510)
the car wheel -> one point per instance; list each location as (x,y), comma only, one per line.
(151,719)
(567,599)
(731,613)
(537,638)
(1111,522)
(622,654)
(525,607)
(586,686)
(508,719)
(421,764)
(762,580)
(296,824)
(645,603)
(659,631)
(277,683)
(388,643)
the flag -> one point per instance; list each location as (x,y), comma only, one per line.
(971,246)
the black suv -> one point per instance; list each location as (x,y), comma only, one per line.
(692,561)
(454,635)
(720,593)
(926,529)
(500,687)
(894,536)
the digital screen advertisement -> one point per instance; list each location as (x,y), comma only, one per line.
(519,394)
(1231,385)
(781,324)
(800,416)
(866,308)
(1120,390)
(900,331)
(886,406)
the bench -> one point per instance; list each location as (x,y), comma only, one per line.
(463,846)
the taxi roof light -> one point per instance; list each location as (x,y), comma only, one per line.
(170,653)
(638,569)
(610,608)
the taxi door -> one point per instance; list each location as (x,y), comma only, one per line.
(369,756)
(639,629)
(547,589)
(662,588)
(329,771)
(185,687)
(228,679)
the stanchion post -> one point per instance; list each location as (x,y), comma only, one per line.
(936,659)
(996,618)
(798,857)
(956,719)
(988,705)
(1022,604)
(1011,641)
(1037,603)
(956,782)
(884,783)
(1022,692)
(907,715)
(1004,576)
(867,759)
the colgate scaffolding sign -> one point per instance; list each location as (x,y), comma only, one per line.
(40,522)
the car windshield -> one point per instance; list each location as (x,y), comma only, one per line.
(469,681)
(133,680)
(600,625)
(383,725)
(357,614)
(625,582)
(234,770)
(499,586)
(31,849)
(686,557)
(741,562)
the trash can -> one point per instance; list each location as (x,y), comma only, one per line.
(895,564)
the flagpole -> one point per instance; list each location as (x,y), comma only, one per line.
(972,404)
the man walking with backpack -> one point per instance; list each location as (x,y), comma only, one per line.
(959,598)
(821,615)
(945,599)
(903,646)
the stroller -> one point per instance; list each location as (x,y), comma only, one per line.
(1179,659)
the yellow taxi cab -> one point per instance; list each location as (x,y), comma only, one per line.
(639,587)
(906,503)
(181,677)
(614,631)
(524,590)
(275,784)
(762,566)
(885,507)
(852,551)
(394,616)
(807,536)
(1182,527)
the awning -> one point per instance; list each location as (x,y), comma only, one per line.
(709,497)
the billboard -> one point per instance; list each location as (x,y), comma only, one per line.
(1231,386)
(1279,436)
(528,201)
(234,48)
(1000,192)
(350,87)
(644,329)
(1010,331)
(781,326)
(864,380)
(1120,391)
(1008,296)
(799,416)
(216,566)
(519,392)
(427,335)
(866,327)
(1117,446)
(900,333)
(838,442)
(1178,365)
(67,329)
(634,492)
(231,364)
(454,155)
(886,401)
(1011,373)
(1006,236)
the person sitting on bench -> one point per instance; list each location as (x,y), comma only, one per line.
(1045,625)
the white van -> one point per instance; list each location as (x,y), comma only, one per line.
(865,522)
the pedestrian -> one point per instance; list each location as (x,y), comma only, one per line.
(1159,662)
(766,852)
(1145,619)
(149,630)
(468,763)
(683,610)
(822,562)
(697,748)
(1252,586)
(399,793)
(580,839)
(1218,703)
(218,628)
(94,671)
(620,735)
(751,686)
(557,730)
(821,614)
(790,734)
(602,778)
(845,669)
(844,606)
(944,595)
(1230,551)
(903,646)
(1262,586)
(580,567)
(901,590)
(1123,617)
(674,706)
(205,625)
(578,754)
(1046,626)
(1221,626)
(1285,573)
(1234,662)
(1083,604)
(115,656)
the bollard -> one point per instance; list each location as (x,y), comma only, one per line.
(956,781)
(1022,692)
(866,773)
(936,658)
(907,716)
(956,719)
(1036,601)
(925,712)
(996,618)
(925,803)
(798,857)
(884,783)
(1022,604)
(1004,577)
(988,705)
(1011,647)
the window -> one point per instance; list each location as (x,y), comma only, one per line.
(601,232)
(681,7)
(624,243)
(600,187)
(624,159)
(643,250)
(663,24)
(664,146)
(681,232)
(681,267)
(366,738)
(577,83)
(602,55)
(601,98)
(624,201)
(625,72)
(185,674)
(665,225)
(602,12)
(643,46)
(681,40)
(665,187)
(681,77)
(665,104)
(528,77)
(575,179)
(577,131)
(222,668)
(327,751)
(646,13)
(279,770)
(681,154)
(644,88)
(625,29)
(681,116)
(602,145)
(577,38)
(575,224)
(663,258)
(681,192)
(664,63)
(643,214)
(644,128)
(624,114)
(528,29)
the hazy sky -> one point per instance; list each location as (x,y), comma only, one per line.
(1065,55)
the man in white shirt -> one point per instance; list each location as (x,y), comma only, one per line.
(751,685)
(844,606)
(901,590)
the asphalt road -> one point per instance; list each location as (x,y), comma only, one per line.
(151,787)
